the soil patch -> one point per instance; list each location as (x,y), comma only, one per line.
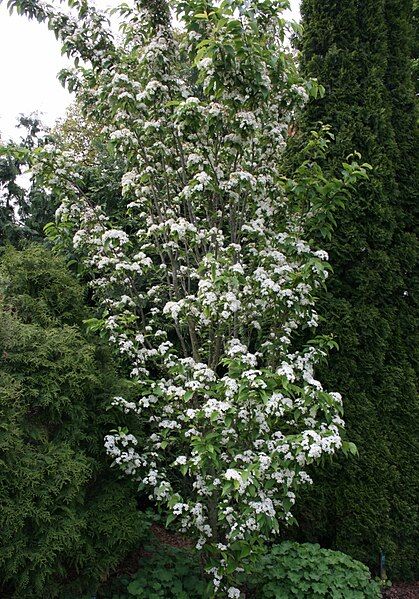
(402,590)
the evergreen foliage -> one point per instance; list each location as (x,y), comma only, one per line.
(66,518)
(360,52)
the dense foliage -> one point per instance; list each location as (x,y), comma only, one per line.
(164,573)
(291,570)
(24,207)
(66,519)
(10,194)
(360,52)
(210,274)
(205,265)
(286,571)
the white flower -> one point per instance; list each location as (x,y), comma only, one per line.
(118,235)
(173,308)
(288,371)
(204,63)
(203,178)
(235,347)
(178,508)
(232,474)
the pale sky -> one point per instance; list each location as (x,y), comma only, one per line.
(30,58)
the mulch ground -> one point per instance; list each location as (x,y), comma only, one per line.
(402,590)
(131,563)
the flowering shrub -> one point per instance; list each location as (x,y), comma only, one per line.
(210,280)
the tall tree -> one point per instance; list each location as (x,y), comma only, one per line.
(205,277)
(360,52)
(10,194)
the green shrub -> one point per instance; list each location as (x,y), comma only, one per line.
(165,573)
(297,571)
(66,519)
(288,571)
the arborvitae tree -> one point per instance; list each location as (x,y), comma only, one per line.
(399,83)
(415,45)
(360,52)
(66,519)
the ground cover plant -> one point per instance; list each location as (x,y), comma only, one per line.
(286,571)
(164,572)
(305,570)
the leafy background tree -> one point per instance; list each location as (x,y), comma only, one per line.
(10,192)
(24,207)
(101,170)
(361,53)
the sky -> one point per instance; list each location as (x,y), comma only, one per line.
(30,58)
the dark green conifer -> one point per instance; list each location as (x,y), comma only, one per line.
(66,517)
(360,52)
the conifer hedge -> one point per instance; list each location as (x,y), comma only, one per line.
(66,518)
(360,52)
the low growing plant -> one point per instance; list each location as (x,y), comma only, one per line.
(164,573)
(287,571)
(294,570)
